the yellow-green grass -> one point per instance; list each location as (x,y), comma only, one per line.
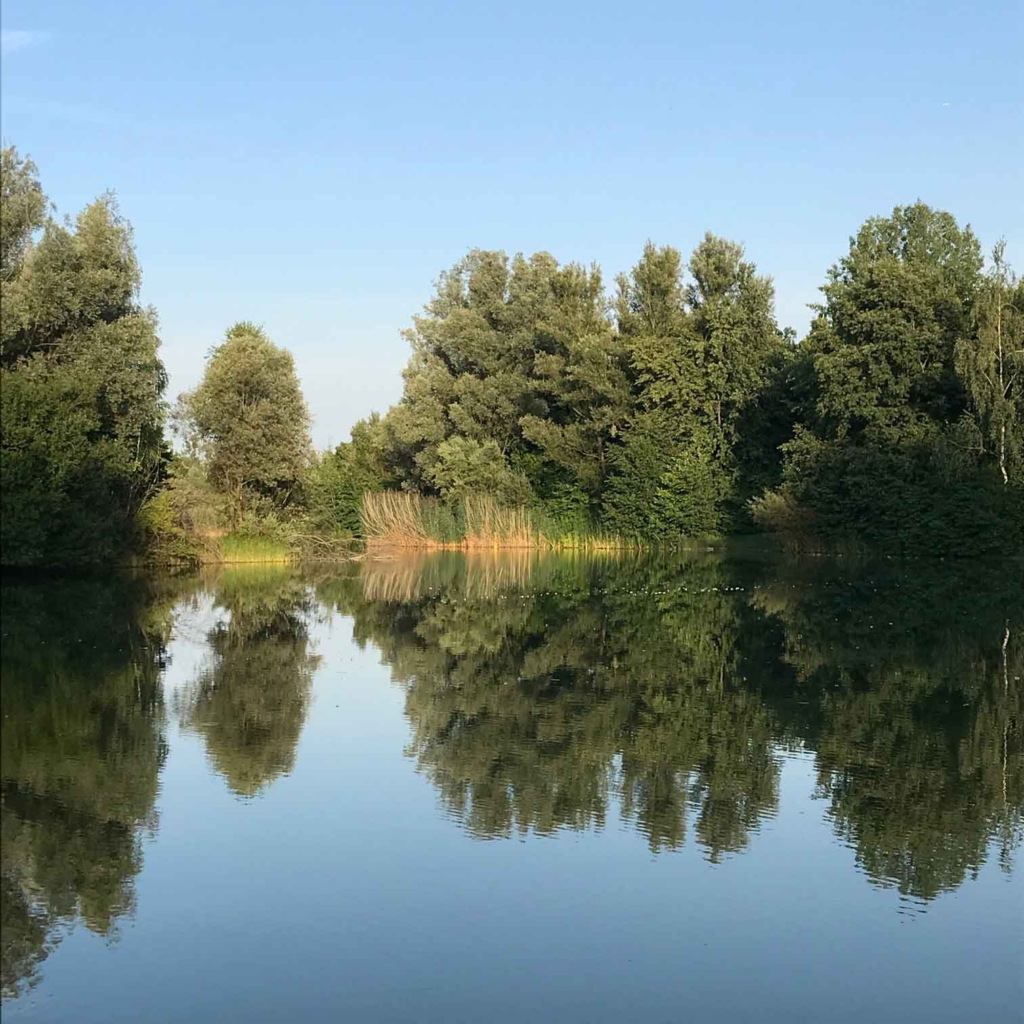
(236,548)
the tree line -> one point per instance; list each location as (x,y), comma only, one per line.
(674,406)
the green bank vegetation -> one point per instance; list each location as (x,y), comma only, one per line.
(538,409)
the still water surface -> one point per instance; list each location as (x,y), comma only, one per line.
(454,788)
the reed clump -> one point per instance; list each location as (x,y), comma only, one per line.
(402,519)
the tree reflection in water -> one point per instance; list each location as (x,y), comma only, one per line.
(542,693)
(250,702)
(83,745)
(541,689)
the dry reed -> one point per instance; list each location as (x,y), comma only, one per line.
(394,518)
(489,525)
(401,519)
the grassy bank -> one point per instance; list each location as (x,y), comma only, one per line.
(398,519)
(233,548)
(249,549)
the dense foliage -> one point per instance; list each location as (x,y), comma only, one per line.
(248,424)
(676,408)
(81,385)
(911,435)
(681,409)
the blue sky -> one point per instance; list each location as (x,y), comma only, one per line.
(313,166)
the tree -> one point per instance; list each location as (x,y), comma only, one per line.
(249,420)
(702,354)
(884,338)
(22,209)
(336,483)
(888,449)
(580,382)
(991,364)
(81,403)
(516,384)
(472,354)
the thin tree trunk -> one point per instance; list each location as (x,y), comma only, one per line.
(1006,690)
(1003,389)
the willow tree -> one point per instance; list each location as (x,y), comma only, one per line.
(468,375)
(248,420)
(22,209)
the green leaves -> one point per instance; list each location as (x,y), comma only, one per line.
(82,406)
(678,409)
(69,281)
(702,353)
(991,363)
(465,466)
(895,308)
(249,420)
(22,209)
(913,410)
(513,359)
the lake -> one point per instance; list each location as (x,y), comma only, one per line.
(707,787)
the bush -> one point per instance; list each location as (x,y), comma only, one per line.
(909,499)
(162,537)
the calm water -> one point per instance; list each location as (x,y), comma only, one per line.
(480,789)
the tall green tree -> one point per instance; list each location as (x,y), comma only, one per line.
(580,381)
(468,375)
(248,420)
(703,349)
(81,403)
(516,383)
(889,450)
(895,308)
